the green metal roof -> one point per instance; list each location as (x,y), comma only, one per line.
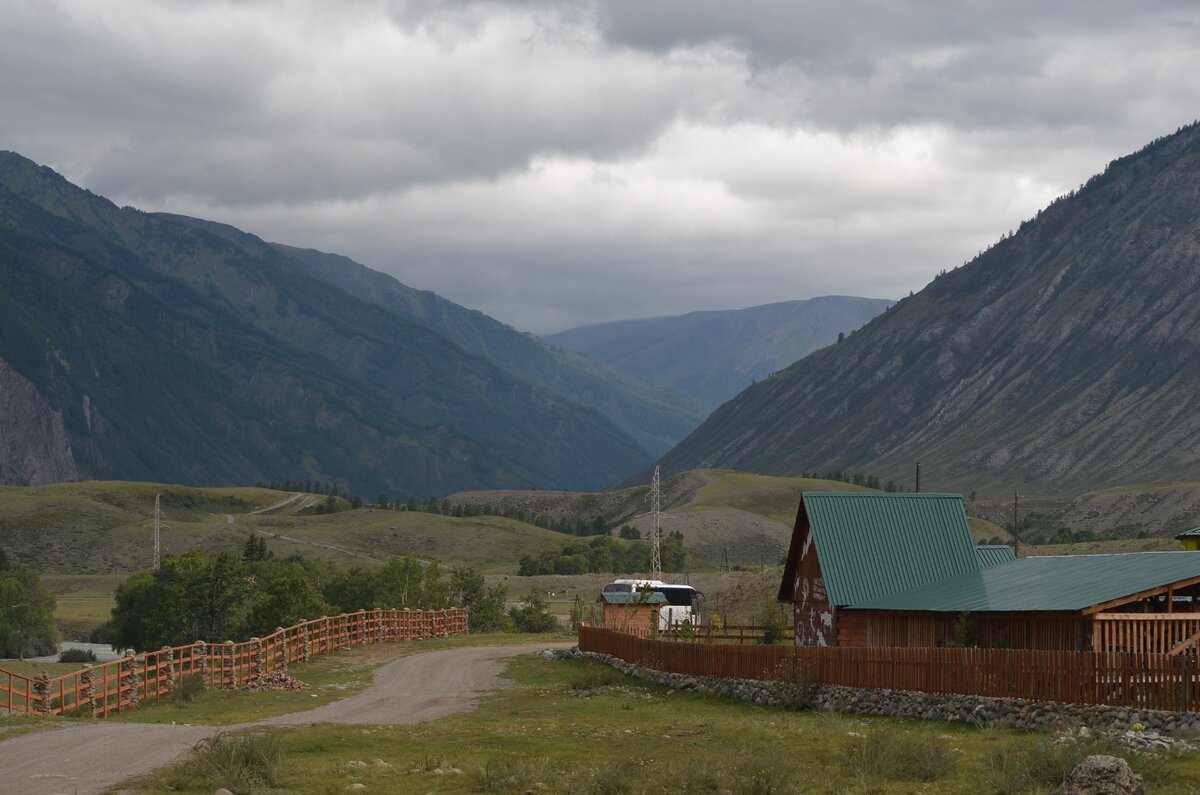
(994,554)
(872,545)
(640,598)
(1045,583)
(1195,531)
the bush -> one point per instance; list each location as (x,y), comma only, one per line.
(77,656)
(238,763)
(1015,764)
(532,615)
(189,688)
(897,755)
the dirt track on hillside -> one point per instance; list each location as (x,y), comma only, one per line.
(90,758)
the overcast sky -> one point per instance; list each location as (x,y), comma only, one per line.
(562,163)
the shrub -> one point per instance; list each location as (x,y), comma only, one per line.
(189,688)
(77,656)
(897,755)
(532,615)
(238,763)
(1016,764)
(595,679)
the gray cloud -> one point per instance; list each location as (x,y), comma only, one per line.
(558,163)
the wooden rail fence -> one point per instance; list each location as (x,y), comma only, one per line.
(1122,679)
(98,690)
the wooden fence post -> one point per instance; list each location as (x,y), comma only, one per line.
(41,694)
(87,693)
(281,661)
(256,662)
(165,684)
(200,661)
(228,663)
(129,679)
(305,650)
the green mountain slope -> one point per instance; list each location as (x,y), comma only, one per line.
(657,417)
(146,347)
(714,355)
(1064,357)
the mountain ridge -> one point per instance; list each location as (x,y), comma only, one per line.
(1057,359)
(714,354)
(177,354)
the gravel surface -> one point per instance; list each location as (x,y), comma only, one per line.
(89,758)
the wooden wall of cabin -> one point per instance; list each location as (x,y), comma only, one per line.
(816,619)
(1057,631)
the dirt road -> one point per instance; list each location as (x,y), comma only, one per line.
(89,758)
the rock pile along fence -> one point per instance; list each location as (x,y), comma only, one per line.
(1121,679)
(98,690)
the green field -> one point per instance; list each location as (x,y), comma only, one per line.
(579,726)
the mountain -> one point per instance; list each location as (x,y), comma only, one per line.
(714,355)
(146,346)
(657,417)
(1064,357)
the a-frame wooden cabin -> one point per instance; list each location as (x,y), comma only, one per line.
(868,569)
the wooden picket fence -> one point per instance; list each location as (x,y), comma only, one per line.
(1121,679)
(99,690)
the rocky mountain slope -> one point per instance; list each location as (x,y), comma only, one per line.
(1063,358)
(145,346)
(714,355)
(657,417)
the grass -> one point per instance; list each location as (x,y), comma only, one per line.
(578,726)
(773,498)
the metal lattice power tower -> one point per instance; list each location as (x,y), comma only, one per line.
(656,528)
(157,530)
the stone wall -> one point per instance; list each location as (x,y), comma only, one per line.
(1004,712)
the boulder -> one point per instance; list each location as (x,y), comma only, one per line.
(1102,775)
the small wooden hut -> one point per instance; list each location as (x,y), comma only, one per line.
(632,613)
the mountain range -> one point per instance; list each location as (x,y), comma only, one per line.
(1063,358)
(141,345)
(713,355)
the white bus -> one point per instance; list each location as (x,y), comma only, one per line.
(683,601)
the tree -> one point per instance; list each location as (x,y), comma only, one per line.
(255,549)
(485,606)
(26,613)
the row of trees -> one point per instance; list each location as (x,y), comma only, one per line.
(604,554)
(26,612)
(858,479)
(236,596)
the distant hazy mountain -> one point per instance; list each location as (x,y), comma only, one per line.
(1065,357)
(150,346)
(714,355)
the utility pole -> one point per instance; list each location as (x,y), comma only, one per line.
(656,531)
(918,477)
(1016,538)
(157,531)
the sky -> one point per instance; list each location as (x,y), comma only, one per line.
(556,164)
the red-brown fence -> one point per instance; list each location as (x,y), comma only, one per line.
(1147,681)
(115,686)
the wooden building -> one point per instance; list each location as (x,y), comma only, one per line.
(869,569)
(632,613)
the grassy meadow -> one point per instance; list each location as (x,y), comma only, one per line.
(579,726)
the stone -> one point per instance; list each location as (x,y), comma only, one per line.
(222,791)
(1102,775)
(356,763)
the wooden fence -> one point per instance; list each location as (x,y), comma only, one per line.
(1125,679)
(98,690)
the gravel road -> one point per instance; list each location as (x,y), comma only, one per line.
(89,758)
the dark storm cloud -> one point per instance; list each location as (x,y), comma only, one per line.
(558,163)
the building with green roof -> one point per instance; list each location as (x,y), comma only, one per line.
(870,569)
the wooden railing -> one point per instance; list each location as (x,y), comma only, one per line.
(98,690)
(1152,633)
(730,633)
(1128,679)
